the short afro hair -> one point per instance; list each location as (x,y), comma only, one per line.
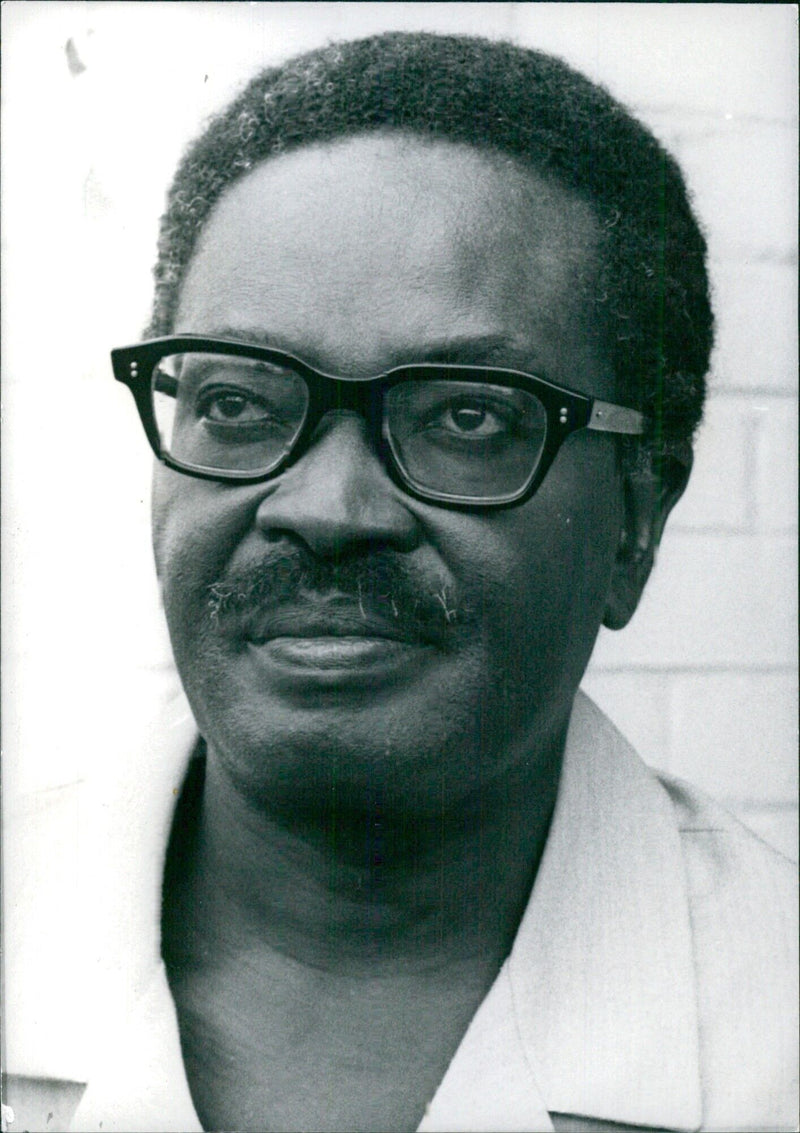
(497,97)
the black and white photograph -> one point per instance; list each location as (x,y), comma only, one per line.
(399,562)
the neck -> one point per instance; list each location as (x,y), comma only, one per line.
(373,887)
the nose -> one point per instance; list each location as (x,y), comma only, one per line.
(337,496)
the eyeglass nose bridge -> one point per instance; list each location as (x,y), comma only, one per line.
(328,395)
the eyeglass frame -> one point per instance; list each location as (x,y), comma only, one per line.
(566,410)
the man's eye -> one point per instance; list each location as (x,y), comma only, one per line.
(472,417)
(231,406)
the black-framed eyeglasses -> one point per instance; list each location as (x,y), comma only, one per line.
(469,436)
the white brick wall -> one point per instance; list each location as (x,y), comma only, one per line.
(761,295)
(704,679)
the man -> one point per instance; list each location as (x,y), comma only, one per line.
(427,352)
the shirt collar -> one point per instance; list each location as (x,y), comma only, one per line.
(596,1003)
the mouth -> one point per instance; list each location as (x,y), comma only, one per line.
(332,653)
(330,621)
(333,645)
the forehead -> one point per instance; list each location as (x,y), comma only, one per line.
(363,252)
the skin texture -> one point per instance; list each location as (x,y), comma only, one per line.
(369,831)
(355,276)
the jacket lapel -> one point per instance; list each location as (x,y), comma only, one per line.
(594,1012)
(602,970)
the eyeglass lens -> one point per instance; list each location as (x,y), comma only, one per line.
(221,413)
(463,439)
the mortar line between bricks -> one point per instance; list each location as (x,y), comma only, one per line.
(744,254)
(718,393)
(752,536)
(668,718)
(687,110)
(694,670)
(752,427)
(767,806)
(728,529)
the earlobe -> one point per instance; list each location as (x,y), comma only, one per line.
(651,490)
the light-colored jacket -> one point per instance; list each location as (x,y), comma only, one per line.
(652,982)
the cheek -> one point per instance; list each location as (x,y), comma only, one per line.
(575,531)
(552,560)
(196,527)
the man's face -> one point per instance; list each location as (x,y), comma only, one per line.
(356,257)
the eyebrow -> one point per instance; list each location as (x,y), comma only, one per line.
(479,349)
(498,349)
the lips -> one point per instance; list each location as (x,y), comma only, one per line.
(332,646)
(336,619)
(332,656)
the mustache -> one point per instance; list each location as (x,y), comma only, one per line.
(357,590)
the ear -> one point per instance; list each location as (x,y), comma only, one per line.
(651,490)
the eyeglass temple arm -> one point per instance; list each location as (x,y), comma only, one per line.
(608,418)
